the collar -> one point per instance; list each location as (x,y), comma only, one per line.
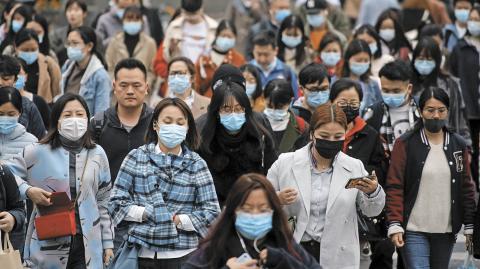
(159,151)
(446,138)
(358,125)
(313,162)
(189,100)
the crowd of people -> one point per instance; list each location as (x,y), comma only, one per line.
(290,134)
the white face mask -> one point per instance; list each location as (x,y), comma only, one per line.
(73,128)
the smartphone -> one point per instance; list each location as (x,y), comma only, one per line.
(353,181)
(245,257)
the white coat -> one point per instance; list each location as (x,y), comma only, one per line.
(339,246)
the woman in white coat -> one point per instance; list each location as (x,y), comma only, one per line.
(311,184)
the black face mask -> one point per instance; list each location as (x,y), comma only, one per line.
(434,125)
(328,149)
(351,113)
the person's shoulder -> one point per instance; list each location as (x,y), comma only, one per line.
(459,140)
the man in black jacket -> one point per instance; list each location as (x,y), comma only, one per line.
(122,128)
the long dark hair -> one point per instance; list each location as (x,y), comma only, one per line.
(26,12)
(25,35)
(44,47)
(254,71)
(355,47)
(435,93)
(192,139)
(53,136)
(88,35)
(292,21)
(400,40)
(279,93)
(222,25)
(221,95)
(224,228)
(430,48)
(12,95)
(369,30)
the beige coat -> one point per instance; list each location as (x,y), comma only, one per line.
(49,76)
(144,51)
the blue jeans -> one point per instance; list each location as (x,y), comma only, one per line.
(428,250)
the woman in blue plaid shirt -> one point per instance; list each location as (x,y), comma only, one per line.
(164,192)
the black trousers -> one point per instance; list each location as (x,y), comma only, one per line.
(313,248)
(145,263)
(76,257)
(474,132)
(382,252)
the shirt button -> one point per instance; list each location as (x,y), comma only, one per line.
(453,180)
(349,147)
(451,163)
(453,201)
(445,148)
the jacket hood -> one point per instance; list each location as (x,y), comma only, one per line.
(93,65)
(112,115)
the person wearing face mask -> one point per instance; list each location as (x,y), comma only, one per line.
(253,87)
(190,34)
(430,192)
(358,59)
(317,23)
(40,25)
(311,184)
(111,23)
(234,140)
(84,72)
(278,10)
(287,127)
(20,17)
(456,31)
(315,88)
(426,60)
(291,40)
(132,42)
(252,232)
(6,18)
(392,35)
(38,101)
(368,34)
(465,64)
(222,52)
(44,74)
(331,54)
(181,204)
(67,160)
(266,60)
(181,84)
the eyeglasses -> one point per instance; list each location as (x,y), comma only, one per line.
(344,104)
(74,45)
(229,109)
(440,110)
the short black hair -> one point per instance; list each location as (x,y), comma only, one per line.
(133,9)
(312,73)
(279,92)
(80,3)
(472,2)
(345,84)
(25,35)
(12,95)
(264,39)
(191,5)
(396,70)
(130,63)
(431,30)
(9,66)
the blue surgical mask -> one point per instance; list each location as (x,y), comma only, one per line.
(224,44)
(281,14)
(233,122)
(393,99)
(172,135)
(317,98)
(276,114)
(20,83)
(75,54)
(120,12)
(253,226)
(28,56)
(8,124)
(359,69)
(291,41)
(250,88)
(424,67)
(330,58)
(387,34)
(462,15)
(474,27)
(179,83)
(133,27)
(373,47)
(316,20)
(17,25)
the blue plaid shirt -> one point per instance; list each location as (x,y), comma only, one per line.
(166,185)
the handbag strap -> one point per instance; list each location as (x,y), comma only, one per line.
(7,245)
(81,180)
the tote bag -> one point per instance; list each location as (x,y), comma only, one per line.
(9,258)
